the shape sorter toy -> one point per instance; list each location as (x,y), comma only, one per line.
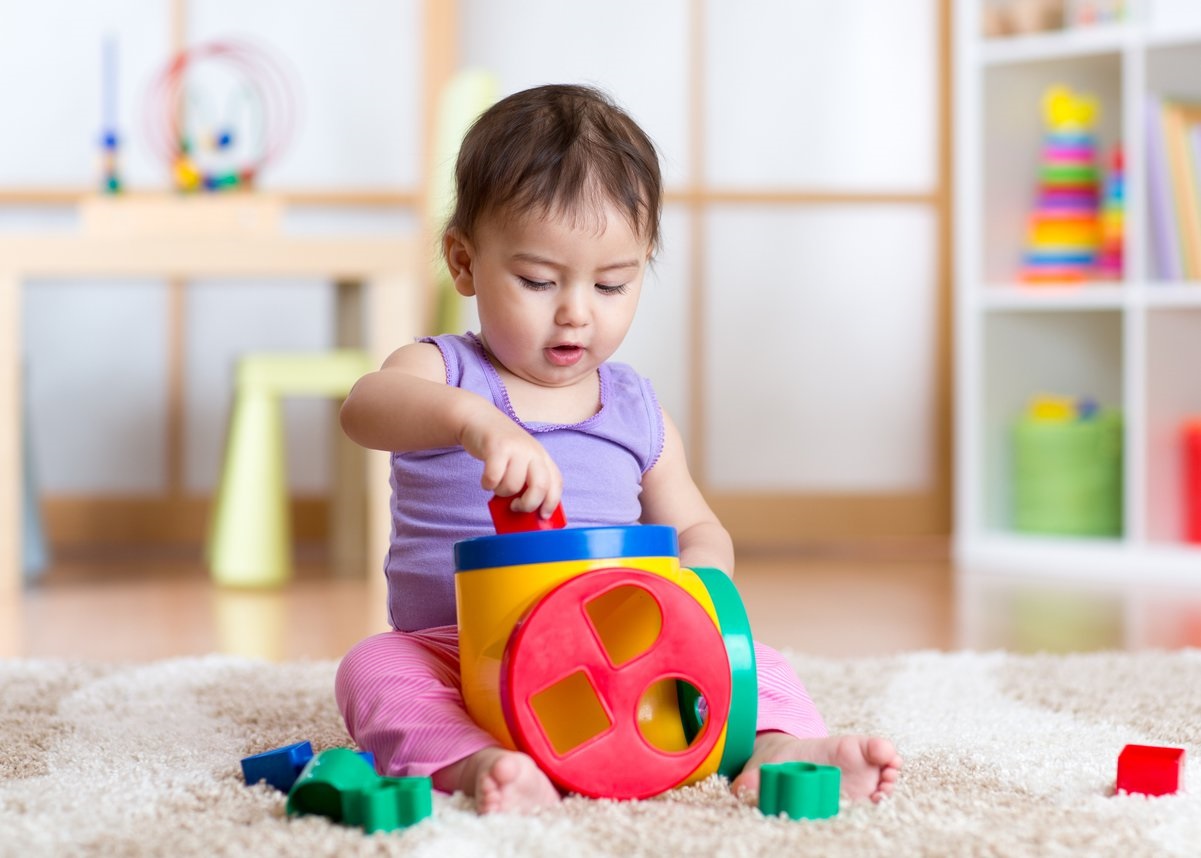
(591,649)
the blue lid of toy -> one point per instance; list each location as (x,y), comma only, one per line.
(569,543)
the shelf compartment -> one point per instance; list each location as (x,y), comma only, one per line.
(1173,395)
(1027,353)
(1171,76)
(1013,135)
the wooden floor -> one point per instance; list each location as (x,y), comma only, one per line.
(122,605)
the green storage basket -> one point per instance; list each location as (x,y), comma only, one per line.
(1067,477)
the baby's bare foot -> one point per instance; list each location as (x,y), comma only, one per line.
(500,780)
(869,764)
(513,782)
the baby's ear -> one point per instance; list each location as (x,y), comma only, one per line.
(460,259)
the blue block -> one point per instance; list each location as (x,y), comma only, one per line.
(280,768)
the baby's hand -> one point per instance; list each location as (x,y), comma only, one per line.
(513,459)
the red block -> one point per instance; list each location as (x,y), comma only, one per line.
(1150,770)
(505,520)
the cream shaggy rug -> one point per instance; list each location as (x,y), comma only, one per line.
(1005,755)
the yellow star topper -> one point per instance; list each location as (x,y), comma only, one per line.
(1065,110)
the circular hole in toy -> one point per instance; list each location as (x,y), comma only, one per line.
(694,709)
(661,714)
(627,621)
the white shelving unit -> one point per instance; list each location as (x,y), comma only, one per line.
(1133,345)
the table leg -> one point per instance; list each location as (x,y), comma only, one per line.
(11,465)
(348,529)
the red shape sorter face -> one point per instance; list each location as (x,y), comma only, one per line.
(1150,770)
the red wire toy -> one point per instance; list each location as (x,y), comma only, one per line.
(233,157)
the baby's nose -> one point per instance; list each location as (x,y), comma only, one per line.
(573,308)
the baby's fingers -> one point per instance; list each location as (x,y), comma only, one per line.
(533,490)
(493,476)
(554,495)
(544,489)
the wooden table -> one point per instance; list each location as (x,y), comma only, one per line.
(192,238)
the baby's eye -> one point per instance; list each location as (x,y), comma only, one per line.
(611,290)
(536,285)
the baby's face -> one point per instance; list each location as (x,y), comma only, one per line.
(556,295)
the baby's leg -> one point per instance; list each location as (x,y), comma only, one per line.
(790,728)
(400,697)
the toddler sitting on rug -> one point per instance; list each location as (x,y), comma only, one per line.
(555,221)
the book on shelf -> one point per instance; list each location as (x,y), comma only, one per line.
(1174,186)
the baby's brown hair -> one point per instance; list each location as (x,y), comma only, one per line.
(558,148)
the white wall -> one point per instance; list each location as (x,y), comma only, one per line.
(820,319)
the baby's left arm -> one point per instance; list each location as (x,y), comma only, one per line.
(669,496)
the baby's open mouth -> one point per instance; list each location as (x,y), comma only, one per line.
(565,355)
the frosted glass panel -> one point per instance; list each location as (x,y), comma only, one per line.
(820,363)
(358,71)
(97,382)
(51,56)
(636,51)
(811,93)
(658,342)
(226,320)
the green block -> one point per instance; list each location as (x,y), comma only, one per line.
(325,780)
(339,785)
(389,804)
(799,790)
(1067,476)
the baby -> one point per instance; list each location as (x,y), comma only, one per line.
(555,221)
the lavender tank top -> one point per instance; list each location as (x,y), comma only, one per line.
(436,494)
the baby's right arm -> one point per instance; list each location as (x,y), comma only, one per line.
(407,405)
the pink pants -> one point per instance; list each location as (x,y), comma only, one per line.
(400,697)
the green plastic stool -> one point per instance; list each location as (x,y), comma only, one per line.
(467,94)
(250,543)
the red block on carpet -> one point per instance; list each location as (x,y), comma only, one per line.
(1150,770)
